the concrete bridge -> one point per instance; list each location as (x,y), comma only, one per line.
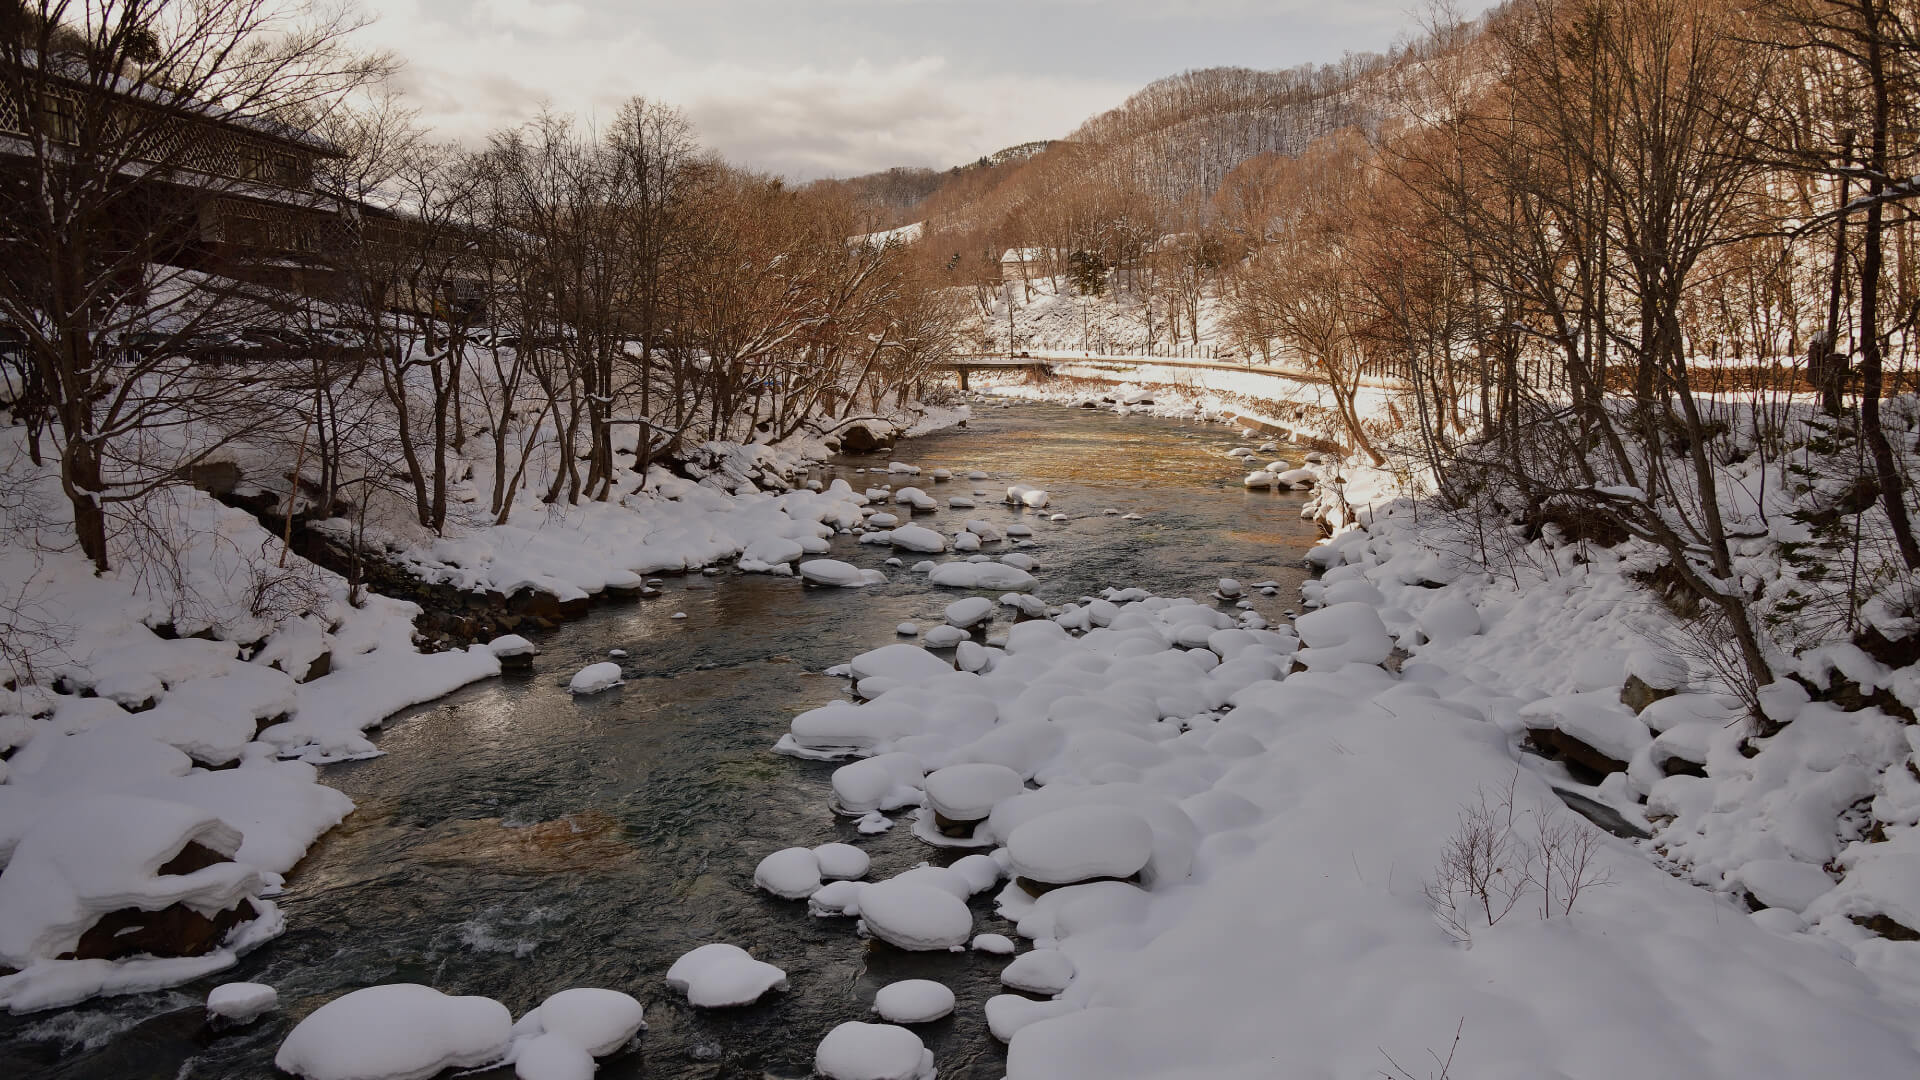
(968,362)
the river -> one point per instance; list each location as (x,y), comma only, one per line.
(513,842)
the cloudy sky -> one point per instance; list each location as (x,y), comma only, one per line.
(813,88)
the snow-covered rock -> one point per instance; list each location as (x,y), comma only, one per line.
(838,574)
(1081,843)
(241,1002)
(1042,971)
(597,1021)
(987,575)
(970,612)
(841,862)
(857,1051)
(1023,495)
(594,678)
(719,976)
(790,873)
(915,917)
(918,538)
(913,1001)
(400,1031)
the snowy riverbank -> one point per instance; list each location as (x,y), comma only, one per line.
(170,714)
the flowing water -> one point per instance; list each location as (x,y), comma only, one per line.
(514,842)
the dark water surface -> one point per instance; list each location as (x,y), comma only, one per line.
(514,842)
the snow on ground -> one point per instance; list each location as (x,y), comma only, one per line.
(1240,839)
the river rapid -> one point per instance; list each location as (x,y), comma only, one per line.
(514,842)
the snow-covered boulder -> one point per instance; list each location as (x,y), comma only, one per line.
(1042,971)
(594,678)
(720,976)
(1349,633)
(790,873)
(987,575)
(918,538)
(1258,480)
(1023,495)
(241,1002)
(916,917)
(597,1021)
(841,862)
(970,612)
(857,1051)
(833,572)
(1081,843)
(400,1031)
(964,795)
(913,1001)
(164,869)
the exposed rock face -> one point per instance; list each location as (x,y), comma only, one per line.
(1586,763)
(860,439)
(177,930)
(1636,694)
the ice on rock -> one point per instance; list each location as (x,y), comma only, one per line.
(594,678)
(721,976)
(597,1021)
(857,1051)
(241,1002)
(984,575)
(841,862)
(400,1031)
(916,917)
(993,944)
(969,612)
(1024,495)
(1349,633)
(944,636)
(968,792)
(918,538)
(913,1001)
(790,873)
(1081,843)
(838,574)
(907,629)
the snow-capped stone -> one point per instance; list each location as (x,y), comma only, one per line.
(920,501)
(241,1002)
(916,917)
(1080,843)
(968,792)
(1783,883)
(965,542)
(511,645)
(944,636)
(993,944)
(960,502)
(841,862)
(1229,588)
(918,538)
(913,1001)
(1258,480)
(719,976)
(838,574)
(1349,633)
(857,1051)
(881,520)
(987,575)
(901,468)
(594,678)
(1024,495)
(597,1021)
(907,629)
(982,872)
(880,782)
(551,1057)
(1017,529)
(969,612)
(1019,561)
(400,1031)
(1008,1013)
(836,898)
(790,873)
(1042,971)
(1448,618)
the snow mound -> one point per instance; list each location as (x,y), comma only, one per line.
(720,976)
(833,572)
(1042,971)
(857,1051)
(987,575)
(841,862)
(790,873)
(968,792)
(913,1001)
(969,612)
(1348,633)
(595,1020)
(918,538)
(993,944)
(241,1002)
(400,1031)
(1080,843)
(915,917)
(594,678)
